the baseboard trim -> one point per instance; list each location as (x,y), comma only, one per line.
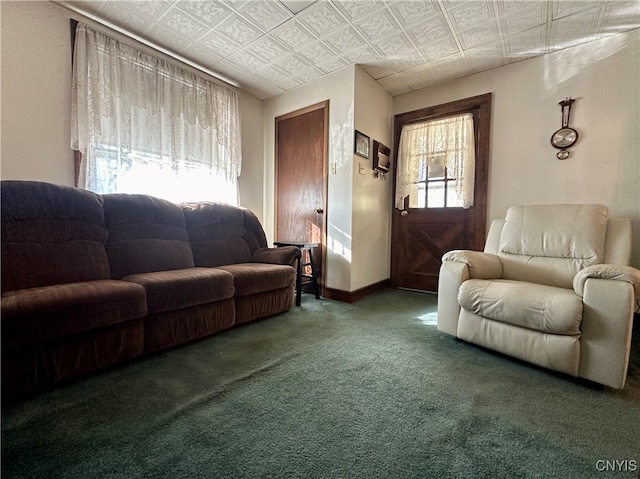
(358,294)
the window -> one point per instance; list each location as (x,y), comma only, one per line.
(436,163)
(144,125)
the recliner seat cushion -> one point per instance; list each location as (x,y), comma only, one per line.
(183,288)
(251,278)
(528,305)
(49,312)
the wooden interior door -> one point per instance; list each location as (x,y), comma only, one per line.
(420,236)
(301,157)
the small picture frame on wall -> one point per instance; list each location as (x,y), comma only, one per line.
(361,144)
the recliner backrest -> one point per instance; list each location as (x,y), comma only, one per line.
(51,234)
(222,234)
(146,234)
(549,244)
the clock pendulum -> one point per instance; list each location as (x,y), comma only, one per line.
(565,137)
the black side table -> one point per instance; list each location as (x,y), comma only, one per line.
(312,278)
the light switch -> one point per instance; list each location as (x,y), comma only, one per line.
(361,167)
(332,168)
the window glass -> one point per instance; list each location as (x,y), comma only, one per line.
(437,163)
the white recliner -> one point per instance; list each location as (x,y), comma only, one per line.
(552,287)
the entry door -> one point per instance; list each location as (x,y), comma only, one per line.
(422,235)
(301,151)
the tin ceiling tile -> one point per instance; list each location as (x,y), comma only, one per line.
(394,46)
(450,37)
(265,14)
(292,64)
(378,25)
(316,53)
(247,60)
(410,12)
(268,48)
(166,38)
(183,24)
(574,29)
(293,35)
(124,17)
(355,9)
(526,44)
(485,33)
(209,13)
(470,14)
(530,15)
(321,19)
(440,49)
(345,40)
(196,52)
(485,57)
(330,66)
(395,85)
(435,28)
(218,44)
(151,8)
(239,30)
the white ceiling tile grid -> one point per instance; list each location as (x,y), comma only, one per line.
(267,47)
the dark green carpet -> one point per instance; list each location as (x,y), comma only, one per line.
(328,390)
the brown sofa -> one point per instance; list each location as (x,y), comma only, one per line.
(89,281)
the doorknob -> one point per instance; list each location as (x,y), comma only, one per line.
(404,213)
(319,210)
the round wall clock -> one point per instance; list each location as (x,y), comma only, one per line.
(564,138)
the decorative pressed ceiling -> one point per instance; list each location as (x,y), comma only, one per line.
(267,47)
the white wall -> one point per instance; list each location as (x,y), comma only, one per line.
(358,206)
(371,207)
(338,88)
(36,92)
(36,101)
(604,166)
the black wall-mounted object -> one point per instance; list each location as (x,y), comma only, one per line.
(381,159)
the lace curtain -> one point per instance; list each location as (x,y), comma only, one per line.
(446,143)
(144,125)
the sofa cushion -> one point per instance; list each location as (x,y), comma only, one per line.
(549,244)
(222,234)
(49,312)
(182,288)
(533,306)
(146,234)
(251,278)
(51,234)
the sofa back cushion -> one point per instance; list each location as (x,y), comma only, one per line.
(549,244)
(222,234)
(51,234)
(146,234)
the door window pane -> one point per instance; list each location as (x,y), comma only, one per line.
(437,163)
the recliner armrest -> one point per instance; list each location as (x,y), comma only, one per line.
(607,271)
(286,255)
(481,265)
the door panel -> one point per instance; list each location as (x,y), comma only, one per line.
(420,236)
(301,146)
(421,239)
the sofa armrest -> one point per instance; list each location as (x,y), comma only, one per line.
(612,272)
(481,265)
(286,255)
